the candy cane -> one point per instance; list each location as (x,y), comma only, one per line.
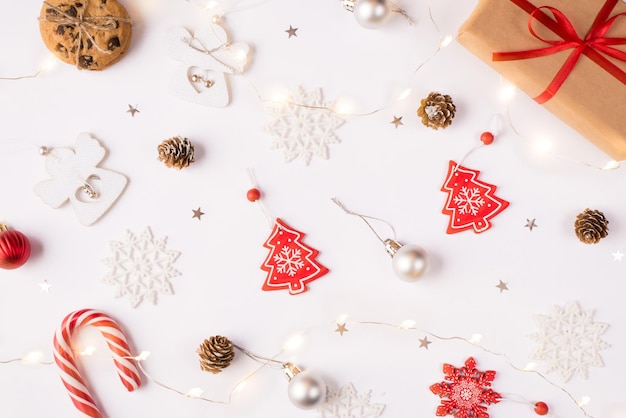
(64,357)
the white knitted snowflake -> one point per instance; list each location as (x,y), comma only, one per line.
(304,126)
(141,267)
(346,403)
(569,341)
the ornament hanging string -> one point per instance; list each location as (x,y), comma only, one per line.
(82,23)
(271,220)
(365,218)
(197,45)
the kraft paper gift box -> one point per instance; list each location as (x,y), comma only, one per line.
(530,42)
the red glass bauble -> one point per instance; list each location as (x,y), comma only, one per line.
(14,249)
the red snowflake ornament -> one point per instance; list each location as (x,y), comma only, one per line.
(290,263)
(471,203)
(466,390)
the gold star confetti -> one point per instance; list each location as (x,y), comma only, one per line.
(397,121)
(530,224)
(45,287)
(341,328)
(424,342)
(197,213)
(617,255)
(292,31)
(502,286)
(132,110)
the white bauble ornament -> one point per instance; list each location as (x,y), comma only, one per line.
(371,14)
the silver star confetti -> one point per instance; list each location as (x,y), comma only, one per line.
(341,328)
(502,286)
(132,110)
(292,31)
(530,224)
(397,121)
(617,255)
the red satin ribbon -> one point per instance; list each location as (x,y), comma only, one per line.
(596,46)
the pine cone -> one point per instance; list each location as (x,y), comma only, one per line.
(176,152)
(591,226)
(216,353)
(437,110)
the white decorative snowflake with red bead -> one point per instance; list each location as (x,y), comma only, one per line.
(467,391)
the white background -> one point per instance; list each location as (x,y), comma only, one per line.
(394,174)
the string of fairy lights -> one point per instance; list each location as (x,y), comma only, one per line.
(297,341)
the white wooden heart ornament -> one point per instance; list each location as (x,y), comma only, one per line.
(75,177)
(206,56)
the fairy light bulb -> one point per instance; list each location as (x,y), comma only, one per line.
(507,92)
(447,40)
(306,389)
(88,351)
(404,94)
(211,5)
(33,357)
(407,324)
(542,146)
(294,342)
(194,393)
(611,165)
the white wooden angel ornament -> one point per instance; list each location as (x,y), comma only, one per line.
(75,177)
(206,56)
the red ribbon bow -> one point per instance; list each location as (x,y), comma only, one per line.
(596,46)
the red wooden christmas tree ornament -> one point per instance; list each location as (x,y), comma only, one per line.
(471,203)
(290,264)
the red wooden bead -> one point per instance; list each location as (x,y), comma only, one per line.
(487,138)
(541,408)
(253,195)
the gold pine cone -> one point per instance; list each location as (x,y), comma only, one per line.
(176,152)
(591,226)
(215,353)
(436,110)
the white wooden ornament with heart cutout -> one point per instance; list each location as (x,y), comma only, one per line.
(70,170)
(206,57)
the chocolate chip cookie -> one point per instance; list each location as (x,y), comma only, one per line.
(90,34)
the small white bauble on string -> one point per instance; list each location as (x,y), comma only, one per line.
(371,14)
(306,389)
(409,262)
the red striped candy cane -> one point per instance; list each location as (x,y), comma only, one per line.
(64,357)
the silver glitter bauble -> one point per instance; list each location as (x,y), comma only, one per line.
(306,389)
(371,14)
(409,262)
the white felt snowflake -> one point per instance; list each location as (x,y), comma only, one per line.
(569,341)
(346,403)
(141,267)
(304,126)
